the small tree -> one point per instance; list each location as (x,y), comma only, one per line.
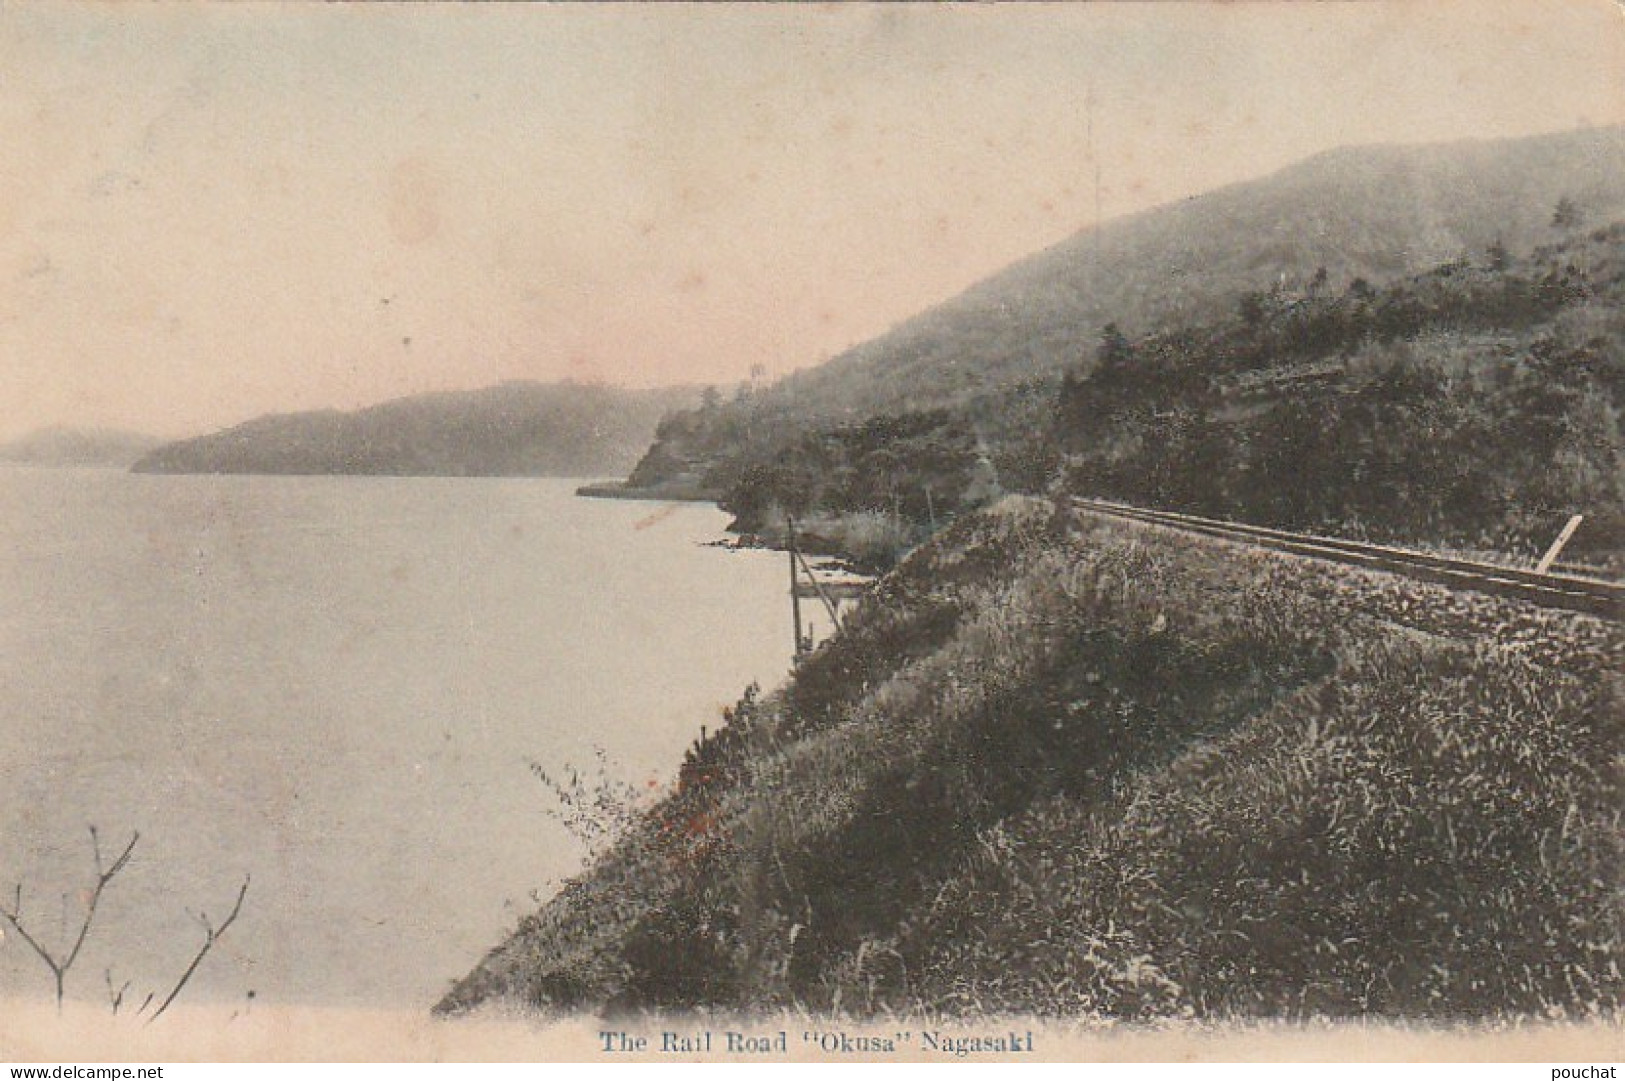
(1567,215)
(1115,354)
(1252,307)
(211,935)
(598,810)
(59,965)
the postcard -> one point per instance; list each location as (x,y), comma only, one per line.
(812,533)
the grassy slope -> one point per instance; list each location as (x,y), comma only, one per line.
(1073,767)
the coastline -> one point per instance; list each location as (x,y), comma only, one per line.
(821,537)
(663,493)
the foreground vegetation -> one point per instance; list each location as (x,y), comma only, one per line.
(1067,766)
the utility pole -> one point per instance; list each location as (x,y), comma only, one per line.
(795,592)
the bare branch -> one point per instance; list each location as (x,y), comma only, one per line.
(59,969)
(102,879)
(124,857)
(59,966)
(211,936)
(116,997)
(14,917)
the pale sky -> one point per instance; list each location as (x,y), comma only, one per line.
(209,212)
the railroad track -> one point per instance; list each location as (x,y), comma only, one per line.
(1569,592)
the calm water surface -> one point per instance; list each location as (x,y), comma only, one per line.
(335,685)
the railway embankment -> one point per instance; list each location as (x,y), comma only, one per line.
(1068,764)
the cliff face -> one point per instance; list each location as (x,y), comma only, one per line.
(1062,765)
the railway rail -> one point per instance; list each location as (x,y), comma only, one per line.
(1568,592)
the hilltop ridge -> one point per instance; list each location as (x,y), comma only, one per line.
(1372,212)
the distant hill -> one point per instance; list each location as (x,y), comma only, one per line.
(513,429)
(77,446)
(1373,212)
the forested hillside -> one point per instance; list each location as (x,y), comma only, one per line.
(1476,404)
(1372,213)
(1375,212)
(1390,258)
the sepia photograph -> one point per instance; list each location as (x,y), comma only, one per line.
(828,533)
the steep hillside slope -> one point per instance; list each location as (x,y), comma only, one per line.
(1355,244)
(1477,404)
(1371,212)
(1073,767)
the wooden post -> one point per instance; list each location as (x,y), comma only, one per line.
(795,594)
(1550,557)
(812,579)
